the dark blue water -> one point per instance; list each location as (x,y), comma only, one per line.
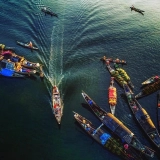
(70,50)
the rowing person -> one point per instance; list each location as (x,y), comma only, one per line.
(30,44)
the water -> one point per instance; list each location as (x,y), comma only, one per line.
(70,49)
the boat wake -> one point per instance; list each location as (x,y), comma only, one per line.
(55,75)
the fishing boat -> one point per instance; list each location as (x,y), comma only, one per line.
(106,140)
(7,69)
(142,117)
(112,96)
(48,11)
(150,80)
(117,127)
(158,109)
(57,106)
(26,45)
(123,73)
(118,61)
(149,89)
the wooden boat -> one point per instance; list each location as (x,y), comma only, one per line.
(150,80)
(137,10)
(57,106)
(149,89)
(142,117)
(112,96)
(117,127)
(7,69)
(123,73)
(26,45)
(48,11)
(22,70)
(118,61)
(158,109)
(106,140)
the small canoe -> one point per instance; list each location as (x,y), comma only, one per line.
(117,127)
(47,11)
(26,45)
(150,80)
(158,109)
(57,105)
(149,89)
(142,117)
(112,96)
(106,140)
(118,61)
(137,10)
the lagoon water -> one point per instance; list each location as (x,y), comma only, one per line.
(70,48)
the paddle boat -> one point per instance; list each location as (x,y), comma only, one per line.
(137,10)
(27,45)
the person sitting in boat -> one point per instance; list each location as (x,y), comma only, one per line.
(30,44)
(45,8)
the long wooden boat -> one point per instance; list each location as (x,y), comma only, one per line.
(118,61)
(142,117)
(57,106)
(149,89)
(117,127)
(7,69)
(158,109)
(112,96)
(150,80)
(26,45)
(107,140)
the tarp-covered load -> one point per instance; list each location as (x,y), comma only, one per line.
(112,96)
(7,72)
(104,137)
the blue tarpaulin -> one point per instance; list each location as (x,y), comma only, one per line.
(104,137)
(7,72)
(90,102)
